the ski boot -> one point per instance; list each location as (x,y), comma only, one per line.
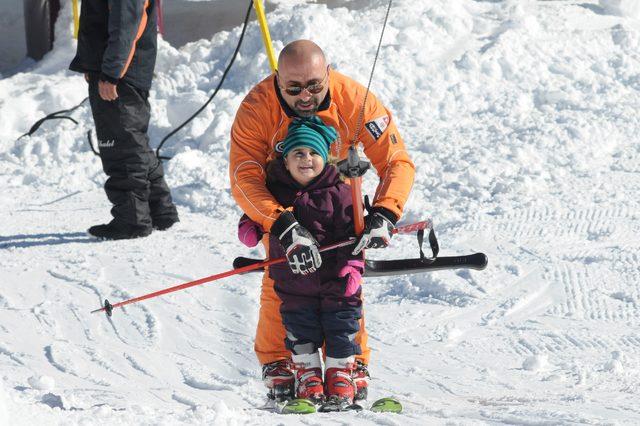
(309,385)
(309,377)
(340,388)
(361,378)
(279,379)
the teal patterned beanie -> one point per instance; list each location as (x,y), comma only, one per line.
(311,133)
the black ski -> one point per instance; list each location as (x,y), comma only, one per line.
(382,268)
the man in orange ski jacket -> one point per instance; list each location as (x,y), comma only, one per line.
(304,86)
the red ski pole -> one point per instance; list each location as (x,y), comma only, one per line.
(108,307)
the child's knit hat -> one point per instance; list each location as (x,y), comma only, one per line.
(309,132)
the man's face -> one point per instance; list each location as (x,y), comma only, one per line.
(310,79)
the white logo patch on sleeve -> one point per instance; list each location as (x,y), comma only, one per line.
(377,127)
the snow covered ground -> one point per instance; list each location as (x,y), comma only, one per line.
(522,119)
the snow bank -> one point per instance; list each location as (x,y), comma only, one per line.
(626,8)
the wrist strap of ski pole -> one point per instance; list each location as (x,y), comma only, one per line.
(433,243)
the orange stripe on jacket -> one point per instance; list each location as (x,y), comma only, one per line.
(141,27)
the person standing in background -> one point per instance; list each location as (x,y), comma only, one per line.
(117,46)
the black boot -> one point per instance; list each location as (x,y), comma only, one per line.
(118,231)
(163,223)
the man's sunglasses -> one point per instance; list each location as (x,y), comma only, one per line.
(313,88)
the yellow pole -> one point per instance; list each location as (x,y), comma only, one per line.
(266,38)
(76,19)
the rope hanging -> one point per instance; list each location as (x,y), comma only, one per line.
(375,61)
(215,92)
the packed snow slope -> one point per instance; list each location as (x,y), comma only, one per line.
(522,119)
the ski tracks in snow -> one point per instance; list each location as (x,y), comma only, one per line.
(183,347)
(557,278)
(570,286)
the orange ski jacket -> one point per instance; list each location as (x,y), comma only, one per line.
(262,122)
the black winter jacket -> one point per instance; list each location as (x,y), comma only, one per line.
(118,39)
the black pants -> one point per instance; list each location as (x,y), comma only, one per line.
(135,183)
(316,311)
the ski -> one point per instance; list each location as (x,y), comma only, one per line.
(291,406)
(386,405)
(382,268)
(305,406)
(382,405)
(298,406)
(334,404)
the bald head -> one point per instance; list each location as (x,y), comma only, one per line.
(303,76)
(301,52)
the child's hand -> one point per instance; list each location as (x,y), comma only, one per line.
(353,271)
(249,232)
(301,247)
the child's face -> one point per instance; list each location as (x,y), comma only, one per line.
(304,164)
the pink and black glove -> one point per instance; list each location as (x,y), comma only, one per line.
(353,271)
(249,232)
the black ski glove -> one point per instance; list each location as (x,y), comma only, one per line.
(378,229)
(298,243)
